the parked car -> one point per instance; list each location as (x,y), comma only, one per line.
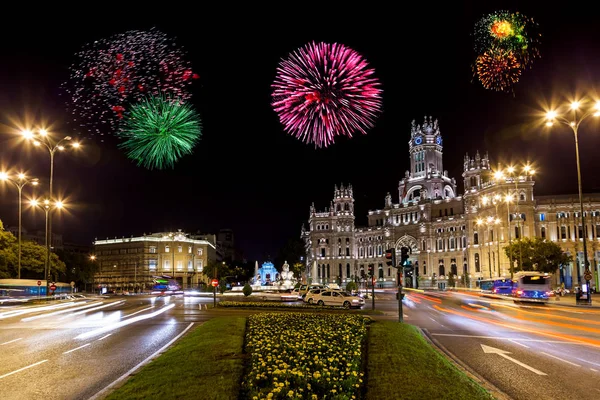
(337,298)
(305,288)
(308,298)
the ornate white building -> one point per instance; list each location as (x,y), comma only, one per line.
(441,232)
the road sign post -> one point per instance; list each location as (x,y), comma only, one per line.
(39,283)
(214,283)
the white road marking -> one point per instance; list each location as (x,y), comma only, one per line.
(22,369)
(11,341)
(520,344)
(101,394)
(595,370)
(504,354)
(558,358)
(76,348)
(105,336)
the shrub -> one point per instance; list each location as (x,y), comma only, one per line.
(351,286)
(247,290)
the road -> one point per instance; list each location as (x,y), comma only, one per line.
(74,351)
(526,350)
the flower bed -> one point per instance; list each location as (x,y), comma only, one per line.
(257,304)
(304,356)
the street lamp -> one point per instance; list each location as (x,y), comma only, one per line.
(489,222)
(20,182)
(48,206)
(573,119)
(41,138)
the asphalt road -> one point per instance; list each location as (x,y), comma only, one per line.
(527,351)
(75,351)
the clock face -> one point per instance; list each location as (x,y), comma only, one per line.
(438,140)
(418,140)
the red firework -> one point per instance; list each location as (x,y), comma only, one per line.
(323,90)
(498,69)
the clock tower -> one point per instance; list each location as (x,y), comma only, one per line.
(426,178)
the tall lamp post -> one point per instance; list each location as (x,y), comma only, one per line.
(20,182)
(574,120)
(41,138)
(48,206)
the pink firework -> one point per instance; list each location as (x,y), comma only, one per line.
(323,90)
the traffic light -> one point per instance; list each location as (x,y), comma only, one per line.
(404,256)
(390,256)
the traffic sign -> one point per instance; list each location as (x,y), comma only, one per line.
(587,275)
(53,288)
(39,283)
(214,282)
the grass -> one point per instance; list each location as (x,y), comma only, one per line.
(401,364)
(207,363)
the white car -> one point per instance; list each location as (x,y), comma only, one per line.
(337,298)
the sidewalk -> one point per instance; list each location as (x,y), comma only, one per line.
(569,301)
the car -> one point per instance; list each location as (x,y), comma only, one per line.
(289,295)
(305,288)
(308,298)
(338,298)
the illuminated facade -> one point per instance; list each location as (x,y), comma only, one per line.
(130,263)
(442,232)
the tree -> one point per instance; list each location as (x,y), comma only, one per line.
(79,268)
(247,290)
(537,254)
(451,280)
(8,259)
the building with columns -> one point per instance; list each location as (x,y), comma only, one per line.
(133,263)
(442,232)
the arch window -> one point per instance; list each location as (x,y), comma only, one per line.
(370,251)
(452,243)
(347,270)
(475,238)
(477,263)
(442,270)
(340,271)
(440,245)
(543,232)
(380,271)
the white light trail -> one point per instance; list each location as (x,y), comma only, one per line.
(126,322)
(61,311)
(104,337)
(29,310)
(94,309)
(137,312)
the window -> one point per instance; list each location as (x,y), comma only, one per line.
(517,232)
(340,271)
(380,273)
(153,249)
(424,268)
(179,265)
(543,232)
(347,270)
(348,251)
(580,232)
(190,265)
(563,232)
(452,244)
(167,265)
(322,252)
(199,252)
(189,249)
(477,265)
(179,249)
(542,217)
(440,245)
(441,268)
(152,265)
(598,231)
(167,249)
(475,238)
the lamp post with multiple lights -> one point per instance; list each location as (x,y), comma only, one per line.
(42,138)
(573,119)
(48,206)
(20,182)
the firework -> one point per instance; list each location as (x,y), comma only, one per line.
(159,130)
(324,90)
(111,74)
(512,32)
(498,70)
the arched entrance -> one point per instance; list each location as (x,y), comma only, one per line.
(407,250)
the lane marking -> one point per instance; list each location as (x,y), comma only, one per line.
(505,354)
(137,312)
(563,360)
(520,344)
(77,348)
(101,394)
(595,370)
(105,336)
(11,341)
(22,369)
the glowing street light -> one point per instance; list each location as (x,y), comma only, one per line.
(573,118)
(20,182)
(48,206)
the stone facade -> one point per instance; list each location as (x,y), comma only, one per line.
(442,232)
(133,263)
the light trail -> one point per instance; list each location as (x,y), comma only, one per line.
(29,310)
(60,312)
(95,308)
(123,323)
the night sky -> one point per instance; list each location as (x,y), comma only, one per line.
(247,174)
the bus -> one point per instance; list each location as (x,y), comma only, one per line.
(29,288)
(532,286)
(165,283)
(503,286)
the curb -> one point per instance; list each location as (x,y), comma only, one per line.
(487,385)
(120,381)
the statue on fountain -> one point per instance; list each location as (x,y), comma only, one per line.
(286,277)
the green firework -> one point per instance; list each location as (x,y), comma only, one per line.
(159,130)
